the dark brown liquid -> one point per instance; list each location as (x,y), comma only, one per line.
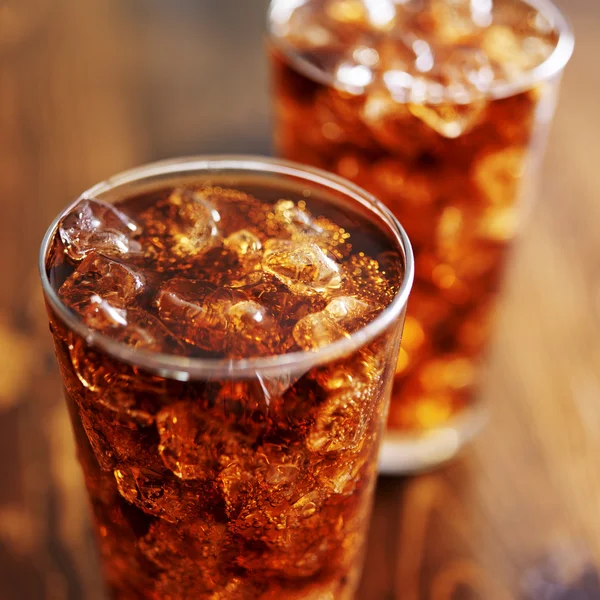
(391,120)
(237,488)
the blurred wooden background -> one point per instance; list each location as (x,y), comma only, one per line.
(88,88)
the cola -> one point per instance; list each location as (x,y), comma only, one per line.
(437,107)
(227,419)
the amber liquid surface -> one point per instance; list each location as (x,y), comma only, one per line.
(241,488)
(406,108)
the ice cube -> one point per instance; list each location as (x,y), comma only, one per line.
(459,241)
(197,227)
(366,55)
(235,207)
(295,220)
(156,493)
(85,362)
(106,279)
(129,406)
(346,11)
(381,14)
(512,53)
(244,243)
(466,73)
(131,395)
(341,421)
(189,580)
(336,377)
(101,289)
(301,266)
(295,547)
(255,483)
(399,82)
(238,588)
(302,561)
(94,225)
(347,310)
(301,226)
(196,311)
(217,319)
(282,474)
(449,119)
(391,124)
(270,389)
(262,519)
(143,330)
(341,476)
(285,306)
(195,440)
(235,265)
(243,280)
(237,485)
(117,437)
(448,95)
(101,315)
(307,505)
(353,77)
(377,15)
(317,330)
(103,451)
(455,22)
(498,224)
(251,331)
(498,174)
(190,441)
(319,591)
(183,225)
(178,549)
(303,26)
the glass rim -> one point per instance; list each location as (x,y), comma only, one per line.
(551,67)
(190,368)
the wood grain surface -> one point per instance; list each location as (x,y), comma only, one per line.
(88,88)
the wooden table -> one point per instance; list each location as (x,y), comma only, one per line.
(88,88)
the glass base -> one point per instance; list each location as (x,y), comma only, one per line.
(403,453)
